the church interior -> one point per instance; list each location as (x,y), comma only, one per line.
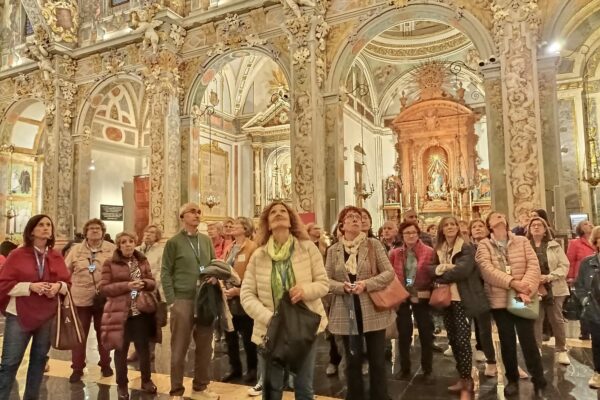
(123,110)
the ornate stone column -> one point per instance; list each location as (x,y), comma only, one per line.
(555,196)
(334,162)
(516,26)
(82,158)
(495,131)
(307,29)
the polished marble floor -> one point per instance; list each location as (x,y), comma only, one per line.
(565,382)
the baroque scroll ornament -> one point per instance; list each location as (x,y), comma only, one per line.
(62,17)
(234,34)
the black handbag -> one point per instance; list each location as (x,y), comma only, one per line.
(162,311)
(572,307)
(290,334)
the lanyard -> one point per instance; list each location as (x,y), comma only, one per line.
(40,260)
(196,250)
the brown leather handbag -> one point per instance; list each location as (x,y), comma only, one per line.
(393,294)
(441,296)
(67,332)
(146,302)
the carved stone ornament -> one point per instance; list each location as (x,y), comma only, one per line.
(453,4)
(62,17)
(36,48)
(294,5)
(177,35)
(143,21)
(516,26)
(234,34)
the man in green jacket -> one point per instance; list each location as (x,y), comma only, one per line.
(184,256)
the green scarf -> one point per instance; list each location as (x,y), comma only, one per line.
(282,266)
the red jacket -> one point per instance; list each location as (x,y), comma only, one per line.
(20,266)
(578,249)
(424,255)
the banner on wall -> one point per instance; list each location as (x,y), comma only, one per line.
(111,213)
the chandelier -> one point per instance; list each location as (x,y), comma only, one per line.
(366,189)
(210,200)
(591,172)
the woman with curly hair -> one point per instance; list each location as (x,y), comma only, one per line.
(286,261)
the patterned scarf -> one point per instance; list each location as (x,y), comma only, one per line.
(351,247)
(282,274)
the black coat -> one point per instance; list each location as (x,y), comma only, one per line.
(589,267)
(467,278)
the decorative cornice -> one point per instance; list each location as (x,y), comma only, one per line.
(418,51)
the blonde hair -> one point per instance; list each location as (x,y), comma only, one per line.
(595,236)
(158,231)
(123,234)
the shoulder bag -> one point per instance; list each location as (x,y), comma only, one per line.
(572,307)
(516,306)
(441,296)
(393,294)
(146,302)
(162,311)
(66,328)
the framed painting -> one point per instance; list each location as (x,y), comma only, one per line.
(22,211)
(21,179)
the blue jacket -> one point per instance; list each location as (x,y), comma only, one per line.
(583,287)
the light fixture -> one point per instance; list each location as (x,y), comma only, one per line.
(210,200)
(367,188)
(554,47)
(92,166)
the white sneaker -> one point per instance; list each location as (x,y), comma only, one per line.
(491,370)
(563,358)
(255,391)
(365,368)
(448,352)
(479,356)
(594,381)
(522,374)
(331,369)
(204,395)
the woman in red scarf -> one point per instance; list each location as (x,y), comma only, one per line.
(29,281)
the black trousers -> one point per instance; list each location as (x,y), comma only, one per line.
(483,336)
(138,330)
(404,322)
(375,342)
(595,332)
(335,357)
(507,323)
(242,325)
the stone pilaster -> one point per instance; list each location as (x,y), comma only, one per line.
(162,88)
(82,158)
(334,162)
(555,195)
(495,132)
(516,26)
(306,33)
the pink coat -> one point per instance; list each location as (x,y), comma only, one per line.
(578,249)
(522,260)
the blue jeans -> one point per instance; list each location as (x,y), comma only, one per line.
(303,380)
(13,349)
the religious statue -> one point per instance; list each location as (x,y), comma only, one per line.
(437,187)
(36,50)
(141,21)
(392,189)
(295,5)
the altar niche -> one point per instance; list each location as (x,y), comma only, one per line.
(437,156)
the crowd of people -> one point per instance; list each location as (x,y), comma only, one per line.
(480,271)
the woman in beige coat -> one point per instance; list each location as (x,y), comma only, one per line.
(554,266)
(507,261)
(352,314)
(286,261)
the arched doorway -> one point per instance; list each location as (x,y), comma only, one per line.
(21,165)
(111,152)
(239,135)
(386,55)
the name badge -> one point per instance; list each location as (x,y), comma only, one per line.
(508,270)
(241,258)
(409,282)
(92,268)
(201,268)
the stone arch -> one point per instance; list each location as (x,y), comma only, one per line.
(27,115)
(215,64)
(468,24)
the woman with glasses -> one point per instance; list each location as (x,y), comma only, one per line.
(507,261)
(85,261)
(352,314)
(32,277)
(454,265)
(411,263)
(554,266)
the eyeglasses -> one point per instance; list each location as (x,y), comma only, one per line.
(411,233)
(353,216)
(536,226)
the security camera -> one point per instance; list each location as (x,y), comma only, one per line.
(492,58)
(481,63)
